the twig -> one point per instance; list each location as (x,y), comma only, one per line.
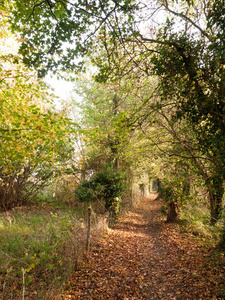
(88,230)
(23,284)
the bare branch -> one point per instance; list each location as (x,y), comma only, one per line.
(186,18)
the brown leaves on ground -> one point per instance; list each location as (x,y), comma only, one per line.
(143,257)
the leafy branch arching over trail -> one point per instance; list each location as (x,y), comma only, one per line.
(143,257)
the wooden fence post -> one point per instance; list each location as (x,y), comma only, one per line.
(88,230)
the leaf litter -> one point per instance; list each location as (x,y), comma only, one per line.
(143,257)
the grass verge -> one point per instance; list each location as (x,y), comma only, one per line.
(40,247)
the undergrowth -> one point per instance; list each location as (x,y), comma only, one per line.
(43,244)
(196,219)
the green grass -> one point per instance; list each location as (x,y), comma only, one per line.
(196,219)
(44,243)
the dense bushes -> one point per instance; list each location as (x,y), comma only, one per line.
(106,184)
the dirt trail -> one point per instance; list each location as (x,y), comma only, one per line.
(143,257)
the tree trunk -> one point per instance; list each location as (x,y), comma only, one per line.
(222,241)
(171,214)
(215,209)
(186,188)
(216,196)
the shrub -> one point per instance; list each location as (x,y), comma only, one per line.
(107,184)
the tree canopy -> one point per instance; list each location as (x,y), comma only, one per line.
(36,139)
(58,34)
(179,43)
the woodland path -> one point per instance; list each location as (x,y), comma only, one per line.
(143,257)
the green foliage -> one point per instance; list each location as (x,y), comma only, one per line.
(182,117)
(105,184)
(177,190)
(46,25)
(196,87)
(172,191)
(42,243)
(195,215)
(85,191)
(36,140)
(104,123)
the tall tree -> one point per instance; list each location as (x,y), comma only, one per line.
(103,122)
(186,54)
(35,138)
